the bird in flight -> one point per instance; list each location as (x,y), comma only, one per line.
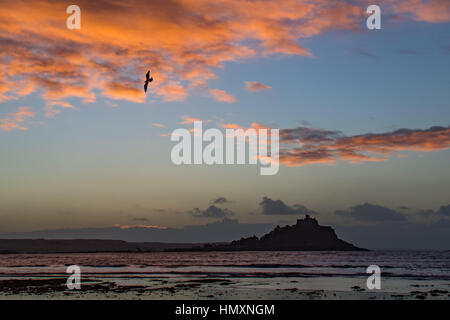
(147,80)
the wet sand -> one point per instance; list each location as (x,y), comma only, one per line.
(205,288)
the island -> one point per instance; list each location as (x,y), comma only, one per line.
(305,235)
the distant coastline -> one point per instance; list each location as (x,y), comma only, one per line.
(306,235)
(42,246)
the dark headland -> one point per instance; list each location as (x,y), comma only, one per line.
(305,235)
(38,246)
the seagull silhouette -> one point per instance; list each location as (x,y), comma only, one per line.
(147,80)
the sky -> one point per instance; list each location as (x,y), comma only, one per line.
(363,114)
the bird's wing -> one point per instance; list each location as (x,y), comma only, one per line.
(145,86)
(148,74)
(150,80)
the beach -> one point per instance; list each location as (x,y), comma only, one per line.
(227,275)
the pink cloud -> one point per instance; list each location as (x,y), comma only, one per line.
(145,226)
(323,146)
(15,120)
(183,42)
(254,86)
(433,11)
(222,96)
(51,108)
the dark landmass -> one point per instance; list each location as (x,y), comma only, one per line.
(305,235)
(225,230)
(397,235)
(11,246)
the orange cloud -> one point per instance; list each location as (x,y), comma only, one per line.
(222,95)
(189,120)
(256,86)
(432,139)
(139,226)
(230,126)
(14,120)
(254,125)
(183,42)
(433,11)
(300,157)
(305,146)
(172,92)
(322,146)
(123,91)
(50,108)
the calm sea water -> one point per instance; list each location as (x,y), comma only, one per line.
(426,265)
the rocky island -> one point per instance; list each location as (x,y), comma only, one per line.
(305,235)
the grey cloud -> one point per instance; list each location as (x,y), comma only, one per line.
(220,200)
(442,212)
(211,212)
(372,213)
(278,207)
(303,122)
(308,135)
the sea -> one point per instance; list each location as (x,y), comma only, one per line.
(255,274)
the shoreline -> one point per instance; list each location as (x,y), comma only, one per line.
(219,288)
(227,275)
